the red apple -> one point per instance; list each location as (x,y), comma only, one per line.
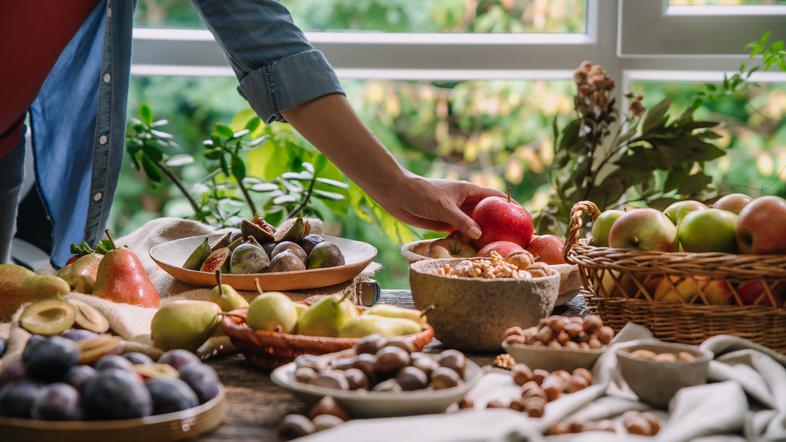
(733,202)
(602,225)
(754,293)
(678,210)
(761,227)
(502,219)
(643,229)
(504,248)
(449,248)
(548,249)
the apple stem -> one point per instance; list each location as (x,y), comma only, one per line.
(259,287)
(109,237)
(427,310)
(218,282)
(507,192)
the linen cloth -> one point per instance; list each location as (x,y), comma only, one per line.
(744,400)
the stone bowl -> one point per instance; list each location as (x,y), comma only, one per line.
(569,285)
(656,382)
(473,313)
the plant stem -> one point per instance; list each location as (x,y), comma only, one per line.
(306,197)
(179,184)
(247,197)
(109,237)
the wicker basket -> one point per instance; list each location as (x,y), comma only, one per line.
(680,296)
(268,350)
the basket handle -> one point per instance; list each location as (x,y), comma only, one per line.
(574,225)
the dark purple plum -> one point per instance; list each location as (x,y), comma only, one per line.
(13,373)
(202,379)
(138,358)
(77,376)
(16,400)
(179,358)
(78,334)
(170,395)
(115,394)
(50,359)
(114,361)
(58,402)
(3,345)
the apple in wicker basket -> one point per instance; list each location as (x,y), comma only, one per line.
(645,230)
(675,289)
(761,228)
(733,202)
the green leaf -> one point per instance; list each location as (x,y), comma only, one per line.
(153,152)
(570,136)
(146,114)
(223,131)
(320,164)
(674,179)
(213,154)
(151,170)
(238,167)
(240,133)
(693,184)
(655,116)
(253,124)
(224,165)
(555,129)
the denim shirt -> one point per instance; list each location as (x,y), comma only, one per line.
(78,119)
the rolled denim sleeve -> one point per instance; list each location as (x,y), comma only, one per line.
(275,64)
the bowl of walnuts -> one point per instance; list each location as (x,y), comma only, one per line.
(559,342)
(485,295)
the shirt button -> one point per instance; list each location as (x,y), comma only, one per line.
(97,196)
(107,77)
(108,12)
(102,139)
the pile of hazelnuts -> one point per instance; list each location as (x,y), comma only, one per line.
(324,415)
(649,355)
(634,422)
(563,332)
(380,364)
(539,387)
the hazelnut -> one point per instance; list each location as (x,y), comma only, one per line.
(326,421)
(644,355)
(594,343)
(583,346)
(635,424)
(535,407)
(555,345)
(666,357)
(521,374)
(328,405)
(538,375)
(557,429)
(685,356)
(583,372)
(556,323)
(653,421)
(553,386)
(530,335)
(514,331)
(575,427)
(496,404)
(294,426)
(605,334)
(582,337)
(516,405)
(563,337)
(515,339)
(466,404)
(531,388)
(572,345)
(576,383)
(562,374)
(545,334)
(592,323)
(573,329)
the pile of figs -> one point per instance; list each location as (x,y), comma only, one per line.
(259,248)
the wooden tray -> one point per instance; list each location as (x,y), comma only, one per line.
(163,427)
(171,255)
(268,349)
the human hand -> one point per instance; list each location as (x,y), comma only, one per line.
(435,204)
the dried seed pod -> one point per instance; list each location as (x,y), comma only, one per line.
(521,374)
(538,375)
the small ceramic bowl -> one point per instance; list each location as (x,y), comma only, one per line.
(552,359)
(656,382)
(569,284)
(361,403)
(473,313)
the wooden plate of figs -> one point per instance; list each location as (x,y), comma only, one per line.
(180,425)
(286,258)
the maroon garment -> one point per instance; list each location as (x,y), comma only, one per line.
(32,36)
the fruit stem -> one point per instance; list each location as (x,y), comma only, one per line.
(427,310)
(218,282)
(507,192)
(346,295)
(259,287)
(109,237)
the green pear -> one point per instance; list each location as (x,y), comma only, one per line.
(366,324)
(226,296)
(19,285)
(327,316)
(272,311)
(184,324)
(300,308)
(391,311)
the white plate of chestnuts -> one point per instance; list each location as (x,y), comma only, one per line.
(382,377)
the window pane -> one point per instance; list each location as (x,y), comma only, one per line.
(753,129)
(483,16)
(494,133)
(726,2)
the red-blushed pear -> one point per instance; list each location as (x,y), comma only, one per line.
(504,248)
(547,248)
(755,293)
(645,230)
(677,211)
(449,248)
(709,230)
(602,225)
(761,228)
(502,219)
(121,278)
(733,202)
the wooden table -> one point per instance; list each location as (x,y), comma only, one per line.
(256,405)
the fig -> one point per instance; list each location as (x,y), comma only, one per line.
(234,235)
(325,254)
(156,371)
(198,256)
(269,246)
(258,228)
(291,247)
(91,350)
(293,229)
(221,242)
(234,244)
(89,318)
(48,317)
(285,262)
(310,241)
(218,260)
(248,258)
